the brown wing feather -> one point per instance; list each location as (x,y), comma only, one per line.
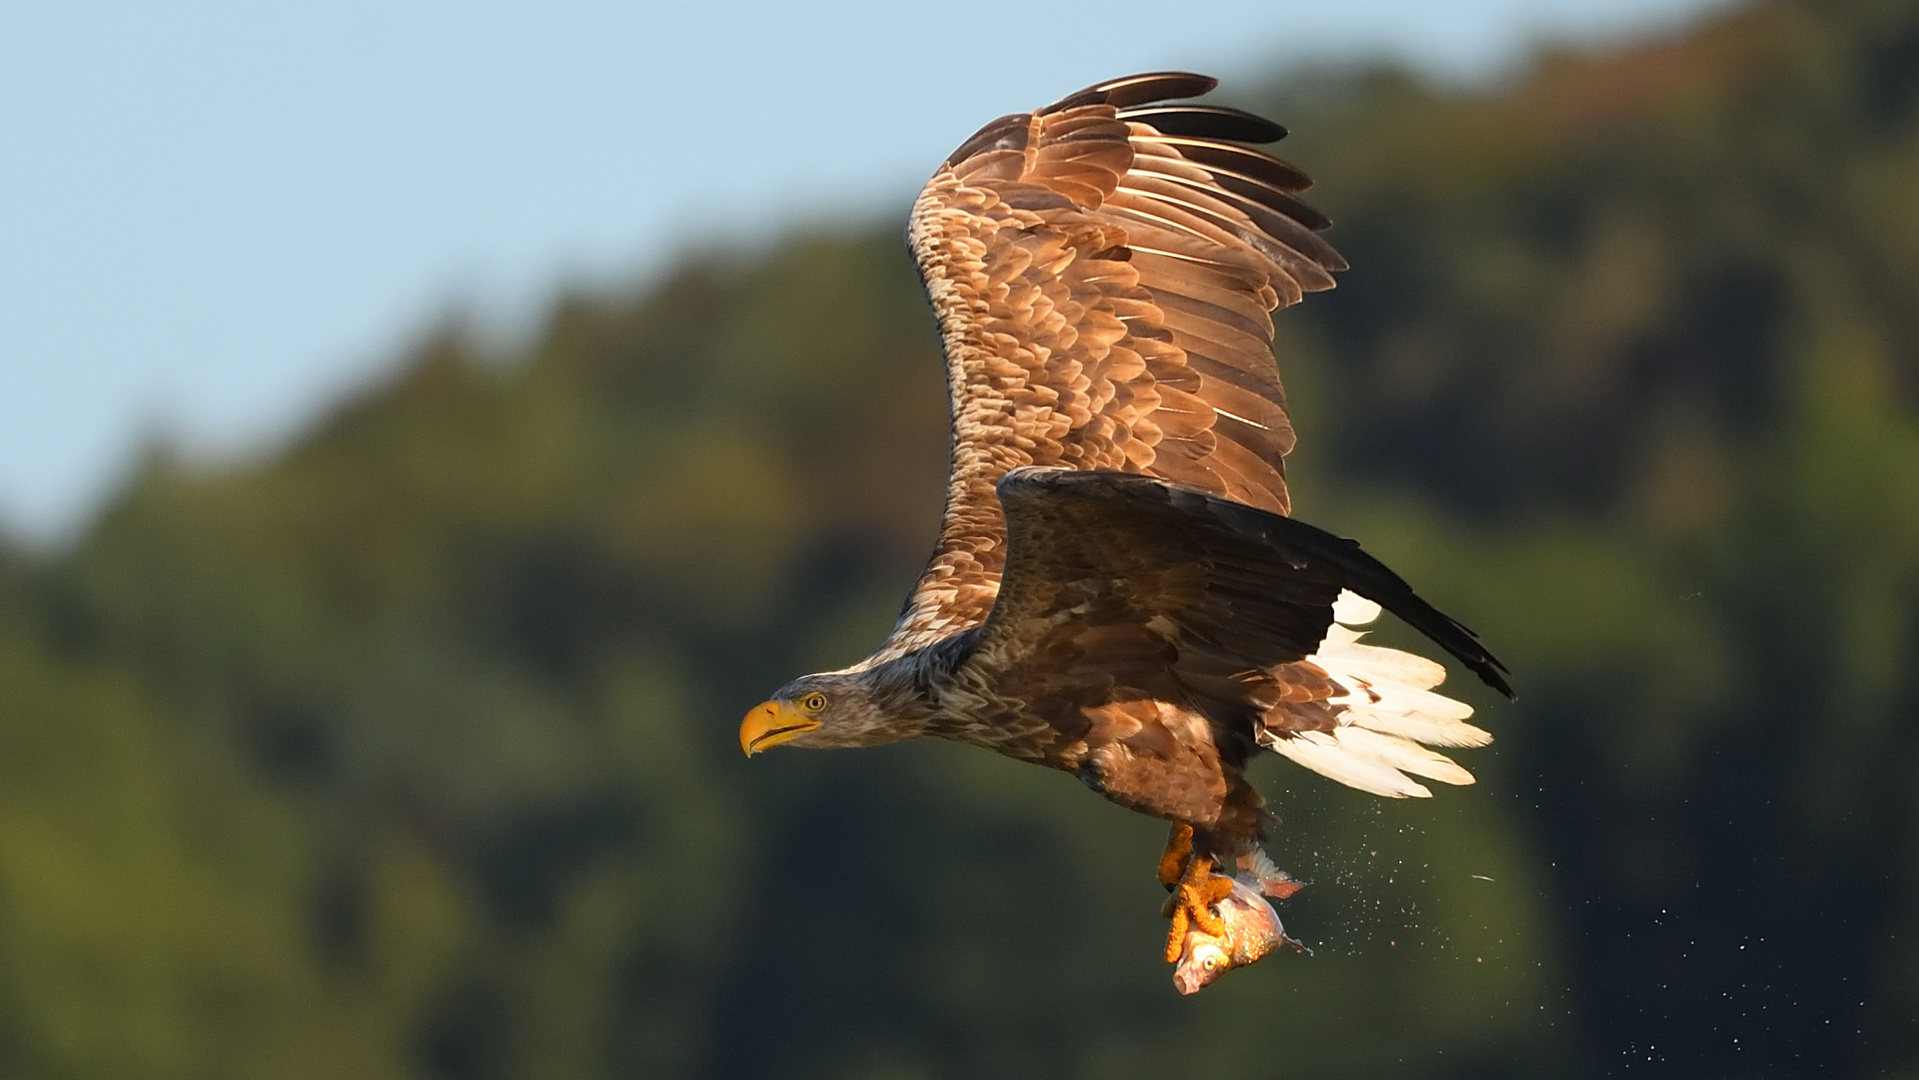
(1104,272)
(1224,586)
(1148,627)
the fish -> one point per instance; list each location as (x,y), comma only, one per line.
(1252,930)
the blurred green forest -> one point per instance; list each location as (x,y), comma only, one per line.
(409,751)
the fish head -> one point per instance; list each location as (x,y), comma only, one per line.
(1204,959)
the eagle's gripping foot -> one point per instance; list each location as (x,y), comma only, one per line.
(1195,890)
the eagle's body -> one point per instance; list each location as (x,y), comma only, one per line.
(1116,591)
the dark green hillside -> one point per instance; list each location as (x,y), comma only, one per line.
(409,750)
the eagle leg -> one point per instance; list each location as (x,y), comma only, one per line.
(1172,861)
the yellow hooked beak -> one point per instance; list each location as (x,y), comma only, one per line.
(770,724)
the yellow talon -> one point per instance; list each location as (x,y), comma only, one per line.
(1192,903)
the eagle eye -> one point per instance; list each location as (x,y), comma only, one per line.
(813,702)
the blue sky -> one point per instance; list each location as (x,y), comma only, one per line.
(215,217)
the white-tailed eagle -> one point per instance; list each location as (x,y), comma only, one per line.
(1118,590)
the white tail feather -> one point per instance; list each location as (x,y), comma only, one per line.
(1376,664)
(1402,754)
(1322,752)
(1352,609)
(1420,729)
(1403,700)
(1389,711)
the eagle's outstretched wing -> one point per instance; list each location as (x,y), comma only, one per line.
(1104,272)
(1251,588)
(1120,588)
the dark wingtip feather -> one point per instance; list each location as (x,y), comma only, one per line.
(1274,199)
(1252,164)
(1458,639)
(1377,582)
(1207,122)
(1138,90)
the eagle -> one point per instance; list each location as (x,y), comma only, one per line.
(1118,590)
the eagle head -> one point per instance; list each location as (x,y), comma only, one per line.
(829,710)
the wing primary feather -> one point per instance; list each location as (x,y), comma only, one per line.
(1179,170)
(1138,90)
(1273,199)
(1276,225)
(1293,247)
(1242,160)
(1207,122)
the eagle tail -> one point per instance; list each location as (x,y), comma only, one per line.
(1386,709)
